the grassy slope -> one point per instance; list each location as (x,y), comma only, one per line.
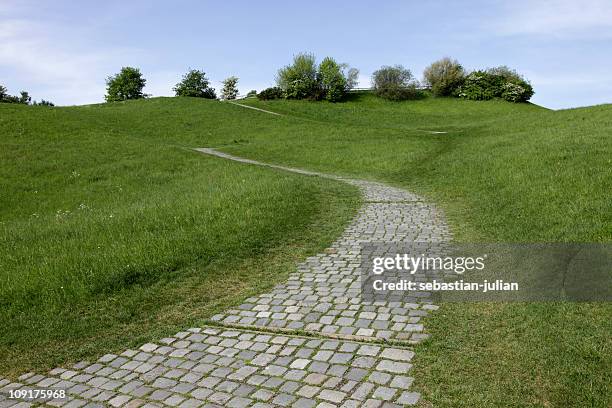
(112,234)
(503,173)
(509,172)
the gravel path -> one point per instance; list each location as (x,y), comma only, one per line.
(310,342)
(254,108)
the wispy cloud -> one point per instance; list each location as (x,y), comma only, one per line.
(65,73)
(64,50)
(582,18)
(160,83)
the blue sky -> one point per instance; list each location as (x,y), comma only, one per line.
(63,50)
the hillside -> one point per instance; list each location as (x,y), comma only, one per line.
(502,172)
(507,172)
(113,234)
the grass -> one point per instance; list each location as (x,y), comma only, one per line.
(503,173)
(112,234)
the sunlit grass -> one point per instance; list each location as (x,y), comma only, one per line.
(107,236)
(503,173)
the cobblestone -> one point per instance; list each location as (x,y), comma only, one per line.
(240,367)
(234,381)
(323,295)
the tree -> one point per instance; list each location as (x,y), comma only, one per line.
(299,80)
(43,103)
(195,84)
(24,98)
(444,76)
(505,73)
(331,80)
(304,79)
(351,75)
(335,80)
(229,90)
(394,83)
(270,93)
(251,93)
(500,82)
(125,85)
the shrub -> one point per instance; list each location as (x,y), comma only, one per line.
(43,103)
(270,93)
(478,86)
(500,82)
(515,92)
(352,77)
(24,97)
(394,83)
(513,87)
(127,84)
(229,90)
(195,84)
(251,93)
(305,80)
(299,80)
(331,79)
(335,80)
(444,76)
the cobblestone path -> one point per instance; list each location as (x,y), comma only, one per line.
(310,342)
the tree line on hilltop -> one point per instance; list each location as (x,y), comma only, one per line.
(329,80)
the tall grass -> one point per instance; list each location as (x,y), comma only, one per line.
(503,173)
(106,224)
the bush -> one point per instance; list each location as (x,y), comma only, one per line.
(299,80)
(513,88)
(229,90)
(195,84)
(395,83)
(500,82)
(305,80)
(23,99)
(478,86)
(514,92)
(270,93)
(444,76)
(331,79)
(351,75)
(127,84)
(43,103)
(251,93)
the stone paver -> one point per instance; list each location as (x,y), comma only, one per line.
(208,373)
(255,360)
(324,295)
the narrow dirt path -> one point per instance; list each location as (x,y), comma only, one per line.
(310,342)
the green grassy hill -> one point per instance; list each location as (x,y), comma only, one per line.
(114,233)
(172,223)
(503,173)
